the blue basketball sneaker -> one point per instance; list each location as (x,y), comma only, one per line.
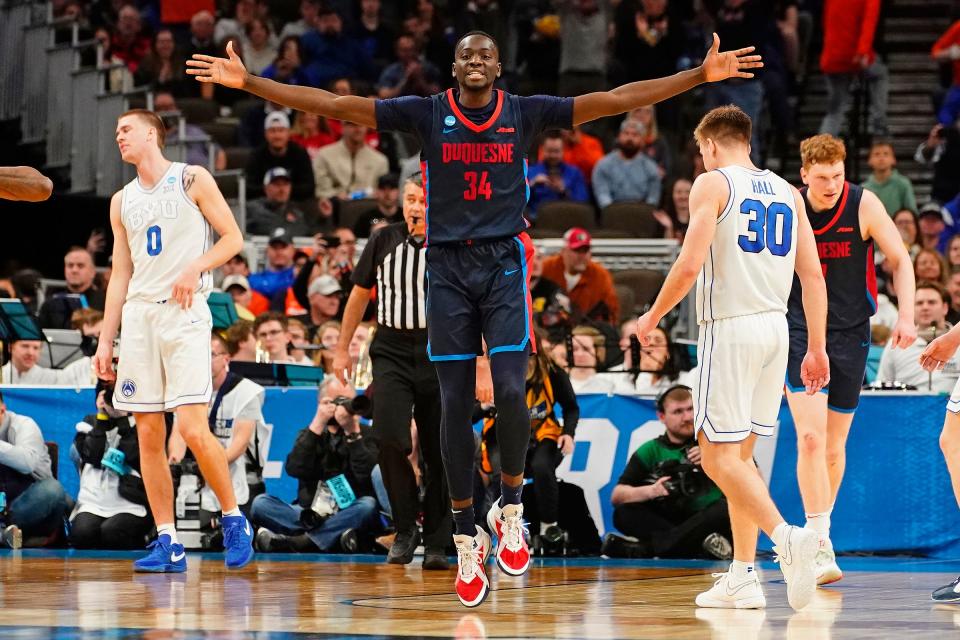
(237,541)
(164,557)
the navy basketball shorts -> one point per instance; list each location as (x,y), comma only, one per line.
(479,289)
(847,350)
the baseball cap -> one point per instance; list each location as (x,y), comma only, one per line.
(388,181)
(276,119)
(274,174)
(934,209)
(325,285)
(577,238)
(235,280)
(280,236)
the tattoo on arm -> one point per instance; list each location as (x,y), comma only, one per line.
(188,178)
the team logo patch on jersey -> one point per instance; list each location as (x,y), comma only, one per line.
(449,121)
(128,388)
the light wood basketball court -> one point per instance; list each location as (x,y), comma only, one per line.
(69,594)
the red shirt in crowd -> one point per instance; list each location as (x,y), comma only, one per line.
(947,40)
(848,29)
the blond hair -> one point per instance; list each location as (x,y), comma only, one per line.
(822,149)
(152,120)
(724,125)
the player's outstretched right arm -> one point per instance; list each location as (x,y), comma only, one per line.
(815,368)
(24,183)
(121,272)
(230,72)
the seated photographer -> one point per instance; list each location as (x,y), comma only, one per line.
(23,368)
(931,304)
(664,501)
(35,502)
(333,460)
(658,366)
(111,511)
(235,411)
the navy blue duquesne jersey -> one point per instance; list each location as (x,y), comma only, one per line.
(474,160)
(847,262)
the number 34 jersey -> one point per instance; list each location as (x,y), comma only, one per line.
(750,266)
(166,232)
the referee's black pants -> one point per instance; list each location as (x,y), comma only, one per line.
(405,385)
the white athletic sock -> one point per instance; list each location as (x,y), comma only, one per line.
(169,530)
(779,535)
(546,525)
(819,522)
(233,512)
(740,571)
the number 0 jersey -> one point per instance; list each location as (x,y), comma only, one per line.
(749,268)
(166,232)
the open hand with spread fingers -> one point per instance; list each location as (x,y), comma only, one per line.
(939,351)
(228,71)
(729,64)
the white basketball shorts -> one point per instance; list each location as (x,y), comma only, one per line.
(738,385)
(164,357)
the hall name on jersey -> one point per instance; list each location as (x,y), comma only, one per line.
(478,152)
(762,188)
(144,213)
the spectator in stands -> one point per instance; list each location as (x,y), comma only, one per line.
(80,274)
(270,330)
(587,283)
(953,288)
(848,31)
(941,150)
(259,51)
(244,11)
(550,306)
(936,227)
(410,75)
(908,226)
(251,130)
(947,49)
(308,20)
(312,132)
(129,43)
(333,444)
(26,286)
(930,266)
(552,179)
(278,274)
(197,140)
(111,511)
(274,210)
(582,150)
(648,502)
(893,188)
(627,173)
(201,35)
(328,54)
(22,368)
(279,151)
(374,35)
(36,502)
(385,211)
(584,30)
(298,340)
(931,305)
(326,335)
(164,68)
(587,373)
(953,253)
(659,367)
(239,289)
(649,40)
(350,167)
(87,322)
(654,145)
(241,342)
(674,216)
(325,295)
(287,67)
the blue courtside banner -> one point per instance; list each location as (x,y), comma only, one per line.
(896,494)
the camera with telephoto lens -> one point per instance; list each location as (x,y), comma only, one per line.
(686,479)
(354,406)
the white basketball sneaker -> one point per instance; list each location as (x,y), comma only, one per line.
(828,571)
(798,561)
(730,593)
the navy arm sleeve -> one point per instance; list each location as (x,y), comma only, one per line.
(410,114)
(545,112)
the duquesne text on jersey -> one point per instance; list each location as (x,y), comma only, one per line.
(478,152)
(827,250)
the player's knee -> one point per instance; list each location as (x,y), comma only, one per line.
(811,443)
(509,394)
(835,454)
(192,434)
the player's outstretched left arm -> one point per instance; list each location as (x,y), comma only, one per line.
(24,183)
(940,350)
(877,223)
(200,186)
(707,198)
(716,66)
(815,367)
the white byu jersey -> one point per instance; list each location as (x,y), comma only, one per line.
(750,266)
(166,231)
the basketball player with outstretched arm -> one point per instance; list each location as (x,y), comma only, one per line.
(163,252)
(473,141)
(748,234)
(847,220)
(24,183)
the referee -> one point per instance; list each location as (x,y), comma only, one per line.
(405,379)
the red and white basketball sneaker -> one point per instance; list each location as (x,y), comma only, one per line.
(513,553)
(472,583)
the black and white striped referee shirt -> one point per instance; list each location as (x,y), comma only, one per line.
(396,264)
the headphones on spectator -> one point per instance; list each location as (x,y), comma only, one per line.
(663,394)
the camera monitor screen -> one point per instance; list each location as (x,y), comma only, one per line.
(17,323)
(222,309)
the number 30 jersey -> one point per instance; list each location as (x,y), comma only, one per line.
(750,266)
(166,232)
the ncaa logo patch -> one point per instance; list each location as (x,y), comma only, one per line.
(127,388)
(171,179)
(449,121)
